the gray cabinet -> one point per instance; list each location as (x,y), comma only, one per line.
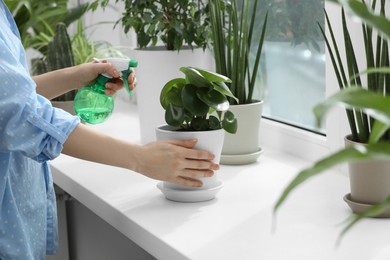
(85,236)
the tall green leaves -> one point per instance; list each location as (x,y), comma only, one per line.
(349,74)
(37,19)
(232,28)
(368,109)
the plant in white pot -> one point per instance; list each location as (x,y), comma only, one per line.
(170,35)
(233,36)
(368,111)
(189,105)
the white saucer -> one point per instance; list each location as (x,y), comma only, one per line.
(196,195)
(238,159)
(358,207)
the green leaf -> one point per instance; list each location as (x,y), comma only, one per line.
(372,211)
(359,10)
(229,122)
(212,76)
(380,151)
(384,70)
(224,89)
(378,106)
(171,92)
(192,102)
(75,13)
(213,99)
(174,115)
(200,124)
(377,131)
(214,123)
(194,77)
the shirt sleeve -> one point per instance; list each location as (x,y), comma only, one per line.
(28,122)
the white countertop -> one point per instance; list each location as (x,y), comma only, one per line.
(235,225)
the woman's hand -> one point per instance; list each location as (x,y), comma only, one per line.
(88,72)
(175,161)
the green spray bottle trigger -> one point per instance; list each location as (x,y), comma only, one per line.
(91,103)
(126,73)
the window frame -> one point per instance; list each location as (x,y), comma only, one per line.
(303,143)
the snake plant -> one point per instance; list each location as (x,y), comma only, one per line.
(368,108)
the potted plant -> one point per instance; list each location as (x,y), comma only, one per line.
(36,19)
(43,28)
(233,37)
(64,51)
(368,114)
(189,104)
(59,55)
(174,23)
(170,34)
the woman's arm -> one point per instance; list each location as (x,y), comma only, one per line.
(55,83)
(172,161)
(58,82)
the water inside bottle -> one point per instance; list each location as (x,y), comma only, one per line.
(94,115)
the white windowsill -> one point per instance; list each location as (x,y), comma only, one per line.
(238,223)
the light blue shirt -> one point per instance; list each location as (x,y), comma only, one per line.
(31,133)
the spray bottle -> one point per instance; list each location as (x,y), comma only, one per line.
(91,104)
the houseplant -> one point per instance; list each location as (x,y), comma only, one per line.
(37,19)
(170,34)
(174,23)
(43,27)
(367,109)
(59,55)
(232,28)
(189,104)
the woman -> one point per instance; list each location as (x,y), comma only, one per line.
(33,132)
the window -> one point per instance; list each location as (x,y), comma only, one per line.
(293,61)
(303,143)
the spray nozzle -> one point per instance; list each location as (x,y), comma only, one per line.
(126,73)
(124,66)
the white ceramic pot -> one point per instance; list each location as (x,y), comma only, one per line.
(156,67)
(211,141)
(243,146)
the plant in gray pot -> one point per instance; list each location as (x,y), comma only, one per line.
(189,105)
(232,27)
(170,35)
(368,146)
